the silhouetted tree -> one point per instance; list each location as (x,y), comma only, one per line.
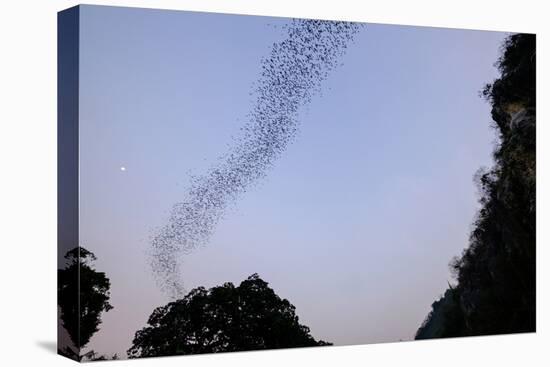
(83,294)
(223,319)
(496,273)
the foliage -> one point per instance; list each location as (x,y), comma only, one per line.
(445,319)
(516,86)
(83,294)
(496,273)
(223,319)
(93,356)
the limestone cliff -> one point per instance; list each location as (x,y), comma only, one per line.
(495,291)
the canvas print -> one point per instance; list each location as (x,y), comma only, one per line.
(237,183)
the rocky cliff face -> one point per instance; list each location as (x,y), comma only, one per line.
(495,291)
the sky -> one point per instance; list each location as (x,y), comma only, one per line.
(356,222)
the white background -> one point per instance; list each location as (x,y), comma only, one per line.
(28,182)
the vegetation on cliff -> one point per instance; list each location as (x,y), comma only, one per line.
(495,291)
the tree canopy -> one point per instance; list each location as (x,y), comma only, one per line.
(83,294)
(223,319)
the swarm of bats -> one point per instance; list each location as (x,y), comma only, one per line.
(291,75)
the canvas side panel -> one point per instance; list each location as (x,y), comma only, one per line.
(67,182)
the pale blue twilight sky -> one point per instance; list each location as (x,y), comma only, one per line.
(358,220)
